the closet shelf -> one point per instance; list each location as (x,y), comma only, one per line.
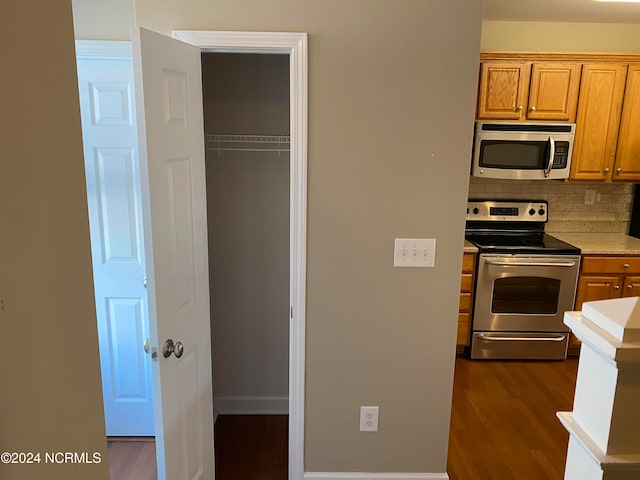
(247,143)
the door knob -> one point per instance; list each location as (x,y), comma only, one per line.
(615,287)
(606,170)
(533,109)
(619,170)
(149,349)
(629,286)
(169,347)
(519,108)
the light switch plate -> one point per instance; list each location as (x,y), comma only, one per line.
(414,252)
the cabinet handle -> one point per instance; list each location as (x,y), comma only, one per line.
(519,108)
(606,170)
(626,265)
(532,109)
(616,287)
(619,170)
(629,286)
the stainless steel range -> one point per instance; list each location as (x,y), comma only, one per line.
(525,281)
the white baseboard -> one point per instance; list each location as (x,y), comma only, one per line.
(251,405)
(374,476)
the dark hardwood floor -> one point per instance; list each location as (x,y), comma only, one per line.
(251,447)
(503,427)
(503,423)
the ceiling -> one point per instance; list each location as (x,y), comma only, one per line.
(588,11)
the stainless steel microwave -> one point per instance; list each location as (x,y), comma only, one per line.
(523,150)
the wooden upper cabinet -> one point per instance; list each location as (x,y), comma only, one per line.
(627,163)
(504,86)
(597,124)
(527,90)
(553,94)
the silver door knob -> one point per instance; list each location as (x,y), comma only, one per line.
(619,170)
(629,286)
(533,109)
(616,287)
(169,347)
(519,108)
(149,349)
(625,265)
(606,170)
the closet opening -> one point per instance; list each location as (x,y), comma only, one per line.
(246,109)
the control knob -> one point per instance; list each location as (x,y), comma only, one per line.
(532,212)
(541,211)
(476,211)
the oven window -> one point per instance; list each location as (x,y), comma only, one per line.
(525,295)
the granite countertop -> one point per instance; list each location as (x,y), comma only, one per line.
(470,247)
(601,243)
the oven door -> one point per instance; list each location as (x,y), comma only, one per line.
(524,293)
(520,304)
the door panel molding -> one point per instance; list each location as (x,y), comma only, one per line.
(294,45)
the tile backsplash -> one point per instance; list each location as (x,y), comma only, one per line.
(610,213)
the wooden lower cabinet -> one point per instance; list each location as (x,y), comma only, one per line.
(466,301)
(605,277)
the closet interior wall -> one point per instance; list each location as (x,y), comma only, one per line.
(247,95)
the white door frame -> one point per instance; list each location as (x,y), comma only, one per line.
(294,45)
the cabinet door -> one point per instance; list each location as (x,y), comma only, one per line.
(503,90)
(597,124)
(462,338)
(553,94)
(600,287)
(631,286)
(627,166)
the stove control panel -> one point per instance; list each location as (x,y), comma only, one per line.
(507,210)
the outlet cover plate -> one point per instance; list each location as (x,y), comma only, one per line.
(369,419)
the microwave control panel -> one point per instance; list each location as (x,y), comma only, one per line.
(561,155)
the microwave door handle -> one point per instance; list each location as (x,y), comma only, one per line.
(552,154)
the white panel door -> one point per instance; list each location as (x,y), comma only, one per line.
(115,216)
(169,100)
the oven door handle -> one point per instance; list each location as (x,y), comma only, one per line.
(559,338)
(532,264)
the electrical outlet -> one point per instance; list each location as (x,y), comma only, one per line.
(369,419)
(414,252)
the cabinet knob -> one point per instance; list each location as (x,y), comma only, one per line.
(629,286)
(626,265)
(532,109)
(606,170)
(519,108)
(619,170)
(616,287)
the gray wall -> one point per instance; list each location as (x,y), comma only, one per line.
(248,210)
(560,37)
(50,396)
(391,106)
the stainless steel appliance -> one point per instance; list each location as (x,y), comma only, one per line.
(523,150)
(525,281)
